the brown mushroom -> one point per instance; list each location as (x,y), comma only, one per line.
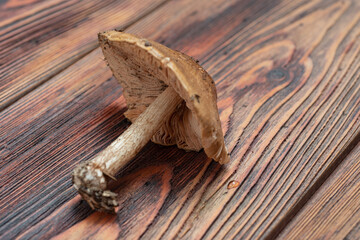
(171,100)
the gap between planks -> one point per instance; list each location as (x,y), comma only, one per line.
(341,156)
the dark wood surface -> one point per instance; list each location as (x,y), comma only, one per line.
(288,80)
(334,211)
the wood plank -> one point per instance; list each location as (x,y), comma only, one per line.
(13,8)
(289,97)
(334,211)
(284,145)
(355,233)
(29,125)
(39,43)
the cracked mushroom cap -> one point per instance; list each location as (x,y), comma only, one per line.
(145,69)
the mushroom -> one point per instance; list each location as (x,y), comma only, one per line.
(171,100)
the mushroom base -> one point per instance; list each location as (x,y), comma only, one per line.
(89,180)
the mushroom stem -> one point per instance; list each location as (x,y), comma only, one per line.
(89,177)
(126,146)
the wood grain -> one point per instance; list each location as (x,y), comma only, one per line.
(280,157)
(41,42)
(334,211)
(287,74)
(70,93)
(10,9)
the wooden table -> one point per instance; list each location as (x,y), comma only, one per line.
(288,80)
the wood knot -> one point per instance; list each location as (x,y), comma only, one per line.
(277,74)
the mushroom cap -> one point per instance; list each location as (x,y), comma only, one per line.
(145,69)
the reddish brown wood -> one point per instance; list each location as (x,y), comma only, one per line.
(11,9)
(39,43)
(287,74)
(334,211)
